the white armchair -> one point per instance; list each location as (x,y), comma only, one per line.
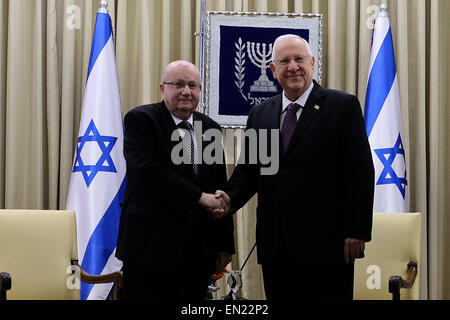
(38,256)
(392,259)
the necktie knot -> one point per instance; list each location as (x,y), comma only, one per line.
(293,107)
(185,125)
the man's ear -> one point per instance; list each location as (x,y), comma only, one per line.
(313,61)
(273,69)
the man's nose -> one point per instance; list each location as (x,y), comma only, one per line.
(293,65)
(186,90)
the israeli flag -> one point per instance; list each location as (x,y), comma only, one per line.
(97,183)
(384,123)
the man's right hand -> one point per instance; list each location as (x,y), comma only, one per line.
(218,204)
(221,195)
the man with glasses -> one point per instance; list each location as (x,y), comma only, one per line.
(169,243)
(315,215)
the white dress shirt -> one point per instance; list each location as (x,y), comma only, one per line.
(301,101)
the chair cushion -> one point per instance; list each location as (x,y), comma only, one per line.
(35,248)
(396,240)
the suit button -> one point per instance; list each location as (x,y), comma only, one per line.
(282,172)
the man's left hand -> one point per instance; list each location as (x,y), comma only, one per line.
(353,249)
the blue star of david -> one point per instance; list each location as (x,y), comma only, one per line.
(104,163)
(388,175)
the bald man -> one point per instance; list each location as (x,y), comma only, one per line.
(314,215)
(169,243)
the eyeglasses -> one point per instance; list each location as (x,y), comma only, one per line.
(180,85)
(297,59)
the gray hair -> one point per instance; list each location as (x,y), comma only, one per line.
(285,36)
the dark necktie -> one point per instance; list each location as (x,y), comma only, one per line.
(289,124)
(187,126)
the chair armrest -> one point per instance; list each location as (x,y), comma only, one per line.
(115,277)
(397,282)
(5,284)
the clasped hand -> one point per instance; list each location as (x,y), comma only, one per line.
(217,204)
(353,248)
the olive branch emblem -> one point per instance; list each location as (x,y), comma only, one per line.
(239,66)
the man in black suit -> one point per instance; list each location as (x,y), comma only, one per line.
(169,243)
(315,214)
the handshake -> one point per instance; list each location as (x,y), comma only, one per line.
(217,204)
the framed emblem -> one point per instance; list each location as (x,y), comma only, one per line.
(238,55)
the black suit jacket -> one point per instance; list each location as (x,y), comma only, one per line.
(323,191)
(161,221)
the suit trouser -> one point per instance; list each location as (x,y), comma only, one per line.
(186,280)
(158,283)
(286,280)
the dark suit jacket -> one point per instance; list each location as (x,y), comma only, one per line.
(161,221)
(323,191)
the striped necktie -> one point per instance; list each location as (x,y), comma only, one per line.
(289,124)
(194,155)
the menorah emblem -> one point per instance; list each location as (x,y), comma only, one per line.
(261,59)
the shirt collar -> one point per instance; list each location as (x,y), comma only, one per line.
(300,100)
(178,120)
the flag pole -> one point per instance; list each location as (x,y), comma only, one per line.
(383,12)
(202,55)
(103,6)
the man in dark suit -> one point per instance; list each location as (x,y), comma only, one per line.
(315,214)
(169,243)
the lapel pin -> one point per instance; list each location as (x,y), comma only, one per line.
(316,107)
